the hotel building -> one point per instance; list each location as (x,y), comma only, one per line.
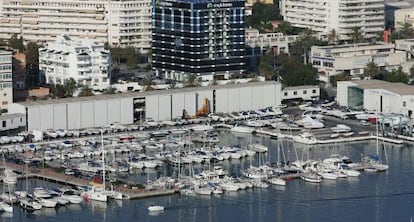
(198,37)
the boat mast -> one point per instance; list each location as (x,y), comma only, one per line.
(103,159)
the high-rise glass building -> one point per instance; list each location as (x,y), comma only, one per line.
(200,37)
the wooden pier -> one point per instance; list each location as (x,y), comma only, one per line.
(69,180)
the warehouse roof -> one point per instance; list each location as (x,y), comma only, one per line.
(399,88)
(142,94)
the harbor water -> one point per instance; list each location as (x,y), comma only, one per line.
(385,196)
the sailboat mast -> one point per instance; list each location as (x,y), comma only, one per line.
(103,159)
(376,131)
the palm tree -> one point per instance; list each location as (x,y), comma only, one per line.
(70,87)
(58,91)
(86,91)
(191,81)
(371,70)
(333,36)
(148,84)
(356,35)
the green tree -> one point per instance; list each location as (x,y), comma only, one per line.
(396,75)
(261,16)
(16,43)
(356,35)
(86,91)
(266,62)
(70,87)
(371,70)
(295,73)
(58,91)
(333,36)
(300,49)
(32,64)
(148,84)
(191,81)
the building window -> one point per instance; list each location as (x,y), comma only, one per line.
(285,93)
(4,124)
(304,92)
(404,103)
(313,91)
(295,93)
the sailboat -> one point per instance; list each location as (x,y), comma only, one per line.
(26,201)
(97,192)
(374,161)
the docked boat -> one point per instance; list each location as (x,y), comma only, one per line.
(71,196)
(5,207)
(44,197)
(9,177)
(241,129)
(93,193)
(277,181)
(153,208)
(305,138)
(30,204)
(311,177)
(341,128)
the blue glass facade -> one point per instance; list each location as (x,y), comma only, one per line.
(198,37)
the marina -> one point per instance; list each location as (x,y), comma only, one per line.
(190,160)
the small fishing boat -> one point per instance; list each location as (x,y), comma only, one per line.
(154,208)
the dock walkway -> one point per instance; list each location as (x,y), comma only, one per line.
(69,180)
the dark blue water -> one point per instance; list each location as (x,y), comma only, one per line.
(387,196)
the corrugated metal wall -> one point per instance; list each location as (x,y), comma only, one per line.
(85,114)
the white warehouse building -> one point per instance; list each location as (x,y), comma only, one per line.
(127,108)
(385,97)
(84,60)
(342,15)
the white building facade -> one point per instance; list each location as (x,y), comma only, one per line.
(127,108)
(300,92)
(6,76)
(384,97)
(353,59)
(118,23)
(84,60)
(342,15)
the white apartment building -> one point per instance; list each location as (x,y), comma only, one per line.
(6,76)
(278,41)
(353,58)
(342,15)
(118,23)
(84,60)
(402,16)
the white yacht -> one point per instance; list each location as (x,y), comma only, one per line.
(9,177)
(305,138)
(71,196)
(94,193)
(241,129)
(5,207)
